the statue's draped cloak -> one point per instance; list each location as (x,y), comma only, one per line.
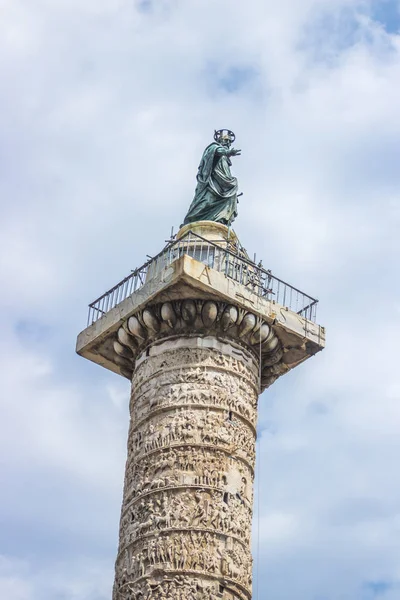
(215,197)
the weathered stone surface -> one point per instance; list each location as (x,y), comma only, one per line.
(187,508)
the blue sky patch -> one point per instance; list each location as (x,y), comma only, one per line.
(378,588)
(145,5)
(231,79)
(327,34)
(31,331)
(387,13)
(236,78)
(330,32)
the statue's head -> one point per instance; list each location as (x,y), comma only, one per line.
(226,137)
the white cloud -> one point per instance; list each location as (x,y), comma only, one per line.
(105,110)
(12,585)
(19,580)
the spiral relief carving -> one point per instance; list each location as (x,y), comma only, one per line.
(186,516)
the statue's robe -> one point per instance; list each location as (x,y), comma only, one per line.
(215,197)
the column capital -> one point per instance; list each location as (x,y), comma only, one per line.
(195,317)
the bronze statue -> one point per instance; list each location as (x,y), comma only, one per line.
(215,198)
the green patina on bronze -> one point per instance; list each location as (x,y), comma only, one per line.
(215,198)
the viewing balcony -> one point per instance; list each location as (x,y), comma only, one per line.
(227,257)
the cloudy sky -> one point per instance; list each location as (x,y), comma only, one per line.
(105,108)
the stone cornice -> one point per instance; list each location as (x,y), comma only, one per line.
(186,278)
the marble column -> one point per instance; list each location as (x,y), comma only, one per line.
(187,507)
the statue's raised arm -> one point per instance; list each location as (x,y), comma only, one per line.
(215,198)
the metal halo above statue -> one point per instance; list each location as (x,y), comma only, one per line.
(224,134)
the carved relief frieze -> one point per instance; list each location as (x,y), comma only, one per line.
(228,397)
(204,553)
(207,427)
(182,465)
(172,587)
(177,587)
(197,365)
(187,509)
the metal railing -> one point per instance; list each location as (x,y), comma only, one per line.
(222,256)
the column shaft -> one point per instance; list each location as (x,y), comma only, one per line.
(187,507)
